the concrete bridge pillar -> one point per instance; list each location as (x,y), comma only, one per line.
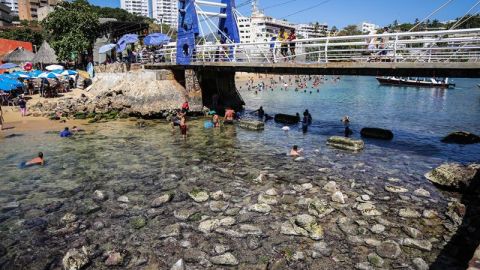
(207,86)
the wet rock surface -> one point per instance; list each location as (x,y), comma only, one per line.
(136,204)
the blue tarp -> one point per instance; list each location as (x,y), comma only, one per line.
(125,40)
(156,39)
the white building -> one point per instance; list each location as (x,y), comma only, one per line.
(12,4)
(312,31)
(139,7)
(165,11)
(260,27)
(369,28)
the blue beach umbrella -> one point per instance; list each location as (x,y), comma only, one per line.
(8,66)
(156,39)
(6,87)
(69,72)
(106,48)
(125,40)
(48,75)
(35,73)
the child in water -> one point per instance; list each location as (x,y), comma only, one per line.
(295,152)
(36,161)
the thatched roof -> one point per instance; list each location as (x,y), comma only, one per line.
(19,55)
(45,55)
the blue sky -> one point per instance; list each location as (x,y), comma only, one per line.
(343,12)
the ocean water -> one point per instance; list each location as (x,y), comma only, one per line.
(122,159)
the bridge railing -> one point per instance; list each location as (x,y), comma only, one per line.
(447,46)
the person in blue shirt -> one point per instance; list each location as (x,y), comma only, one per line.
(66,133)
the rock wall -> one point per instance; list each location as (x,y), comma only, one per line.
(139,93)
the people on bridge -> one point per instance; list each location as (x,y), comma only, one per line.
(283,38)
(292,37)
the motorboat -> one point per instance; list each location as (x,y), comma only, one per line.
(416,82)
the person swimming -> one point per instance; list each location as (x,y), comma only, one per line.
(295,152)
(229,116)
(66,133)
(36,161)
(215,120)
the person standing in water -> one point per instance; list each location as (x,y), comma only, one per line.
(215,120)
(346,122)
(295,152)
(183,126)
(229,116)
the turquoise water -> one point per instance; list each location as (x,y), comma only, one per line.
(122,159)
(419,117)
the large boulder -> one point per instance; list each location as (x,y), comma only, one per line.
(377,133)
(461,137)
(287,119)
(251,125)
(345,143)
(454,175)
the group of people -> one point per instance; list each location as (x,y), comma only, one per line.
(299,83)
(286,43)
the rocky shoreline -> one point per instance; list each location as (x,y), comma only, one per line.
(238,217)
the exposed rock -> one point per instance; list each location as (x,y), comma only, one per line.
(179,265)
(10,206)
(454,175)
(377,228)
(115,258)
(228,221)
(389,249)
(429,214)
(225,259)
(123,199)
(184,214)
(331,187)
(455,211)
(260,179)
(363,266)
(260,208)
(422,192)
(409,213)
(395,189)
(69,218)
(250,229)
(338,197)
(220,249)
(461,137)
(199,195)
(138,222)
(218,206)
(319,208)
(159,201)
(418,244)
(209,225)
(271,192)
(376,133)
(309,224)
(251,125)
(173,230)
(75,259)
(321,249)
(267,199)
(375,260)
(347,226)
(99,195)
(420,264)
(219,195)
(345,143)
(412,232)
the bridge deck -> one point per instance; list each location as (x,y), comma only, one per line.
(462,70)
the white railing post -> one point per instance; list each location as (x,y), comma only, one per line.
(235,53)
(395,49)
(326,50)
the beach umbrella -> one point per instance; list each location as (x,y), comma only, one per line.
(69,72)
(28,66)
(125,40)
(35,73)
(83,74)
(6,87)
(106,48)
(8,66)
(48,75)
(156,39)
(54,67)
(20,74)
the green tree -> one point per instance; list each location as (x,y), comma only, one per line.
(23,34)
(71,29)
(350,30)
(334,29)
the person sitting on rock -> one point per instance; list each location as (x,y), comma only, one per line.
(295,152)
(66,133)
(185,107)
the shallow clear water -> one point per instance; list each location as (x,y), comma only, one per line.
(143,163)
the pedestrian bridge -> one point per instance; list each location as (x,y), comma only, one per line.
(449,53)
